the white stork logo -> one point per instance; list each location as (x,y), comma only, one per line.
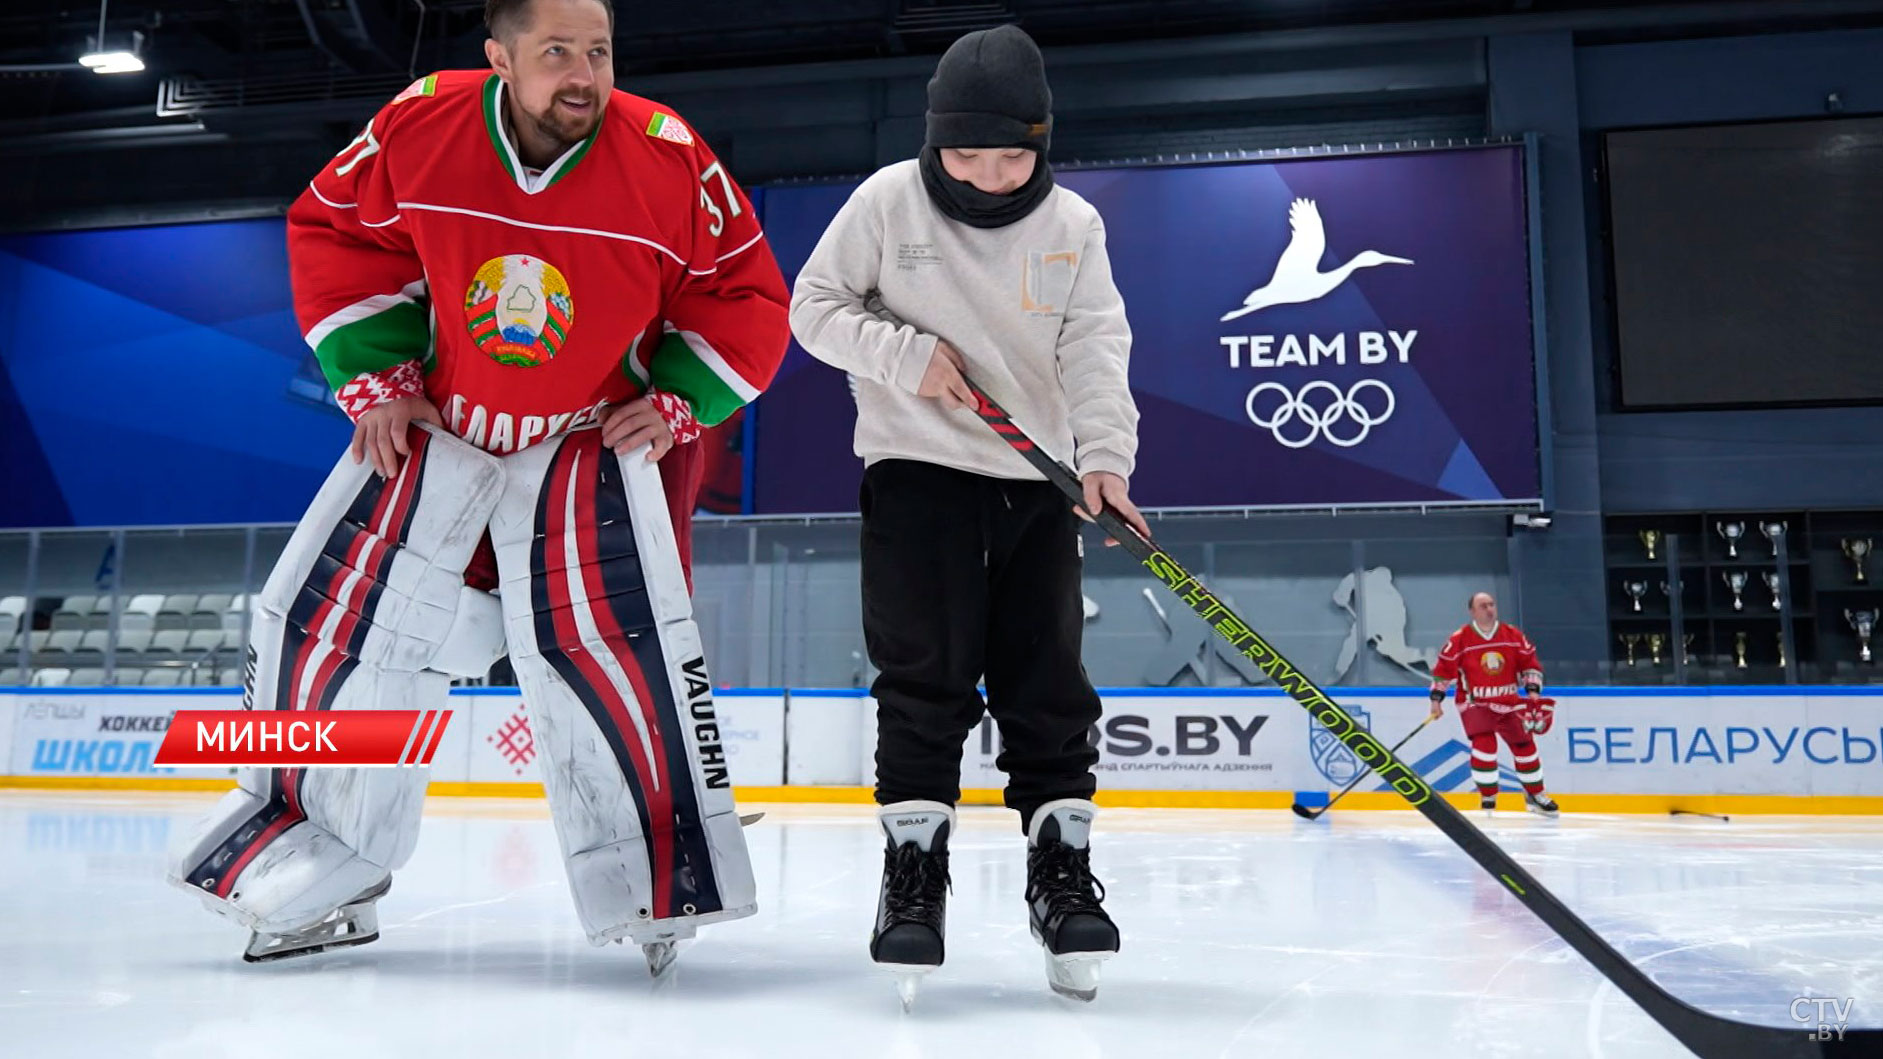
(1298,276)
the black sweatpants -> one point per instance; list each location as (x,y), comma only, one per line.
(966,576)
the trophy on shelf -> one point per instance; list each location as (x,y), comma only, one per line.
(1771,585)
(1686,649)
(1773,531)
(1651,540)
(1635,590)
(1655,642)
(1781,648)
(1630,640)
(1739,650)
(1670,591)
(1864,622)
(1857,549)
(1732,531)
(1736,580)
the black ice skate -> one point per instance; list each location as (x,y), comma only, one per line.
(353,923)
(1542,805)
(1063,898)
(914,898)
(1488,803)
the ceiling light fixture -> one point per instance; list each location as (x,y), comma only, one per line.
(118,61)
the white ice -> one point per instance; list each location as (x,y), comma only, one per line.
(1245,934)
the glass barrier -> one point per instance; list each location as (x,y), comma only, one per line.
(1360,601)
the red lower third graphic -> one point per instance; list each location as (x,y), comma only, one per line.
(302,738)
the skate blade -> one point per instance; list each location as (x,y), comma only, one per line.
(354,923)
(908,981)
(660,957)
(269,954)
(1075,974)
(1544,813)
(748,819)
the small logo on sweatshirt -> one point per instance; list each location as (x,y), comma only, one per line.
(914,257)
(1046,285)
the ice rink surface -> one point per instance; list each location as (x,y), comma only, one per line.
(1246,933)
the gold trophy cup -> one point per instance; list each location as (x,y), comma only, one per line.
(1858,549)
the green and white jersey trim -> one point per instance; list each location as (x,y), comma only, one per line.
(687,364)
(494,90)
(373,334)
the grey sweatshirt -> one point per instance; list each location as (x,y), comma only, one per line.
(1031,306)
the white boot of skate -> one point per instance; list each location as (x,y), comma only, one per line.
(354,923)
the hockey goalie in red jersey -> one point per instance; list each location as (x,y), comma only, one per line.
(1500,683)
(530,292)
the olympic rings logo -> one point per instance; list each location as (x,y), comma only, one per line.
(1321,417)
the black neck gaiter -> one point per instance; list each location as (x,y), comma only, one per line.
(962,201)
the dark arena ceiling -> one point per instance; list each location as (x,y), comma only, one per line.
(240,99)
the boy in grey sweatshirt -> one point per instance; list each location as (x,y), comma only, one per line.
(970,260)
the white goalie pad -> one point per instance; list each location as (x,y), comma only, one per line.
(366,609)
(602,640)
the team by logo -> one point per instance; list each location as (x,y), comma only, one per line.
(1493,662)
(1298,277)
(519,310)
(1324,412)
(1320,410)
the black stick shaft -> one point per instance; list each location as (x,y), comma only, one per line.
(1709,1036)
(1357,780)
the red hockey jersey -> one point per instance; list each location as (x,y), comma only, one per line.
(426,259)
(1498,665)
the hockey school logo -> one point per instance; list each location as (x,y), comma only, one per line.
(1332,758)
(519,310)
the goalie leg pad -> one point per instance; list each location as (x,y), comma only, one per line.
(365,602)
(602,639)
(294,878)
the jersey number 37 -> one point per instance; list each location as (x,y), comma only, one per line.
(725,187)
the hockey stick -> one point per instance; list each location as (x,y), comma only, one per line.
(1306,813)
(1694,812)
(1708,1036)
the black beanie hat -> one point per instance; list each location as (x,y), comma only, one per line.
(989,90)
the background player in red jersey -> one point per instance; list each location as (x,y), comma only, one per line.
(1489,661)
(525,287)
